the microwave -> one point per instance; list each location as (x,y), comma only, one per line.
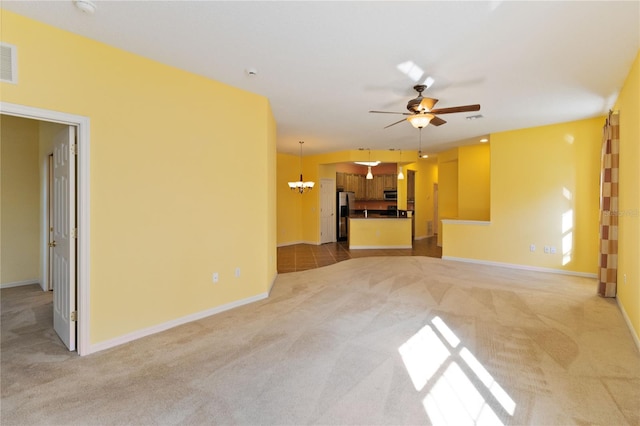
(391,195)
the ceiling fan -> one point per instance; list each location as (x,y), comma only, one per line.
(421,112)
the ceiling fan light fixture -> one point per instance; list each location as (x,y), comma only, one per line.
(420,120)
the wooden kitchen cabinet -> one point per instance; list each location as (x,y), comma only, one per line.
(390,182)
(340,182)
(364,188)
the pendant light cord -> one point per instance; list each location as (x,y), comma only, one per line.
(300,142)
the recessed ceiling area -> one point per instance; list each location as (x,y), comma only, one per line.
(324,65)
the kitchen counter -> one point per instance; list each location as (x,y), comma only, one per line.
(381,214)
(384,232)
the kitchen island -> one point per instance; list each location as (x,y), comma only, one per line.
(382,232)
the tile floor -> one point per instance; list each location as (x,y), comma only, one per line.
(300,257)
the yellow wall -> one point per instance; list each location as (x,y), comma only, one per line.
(289,202)
(447,188)
(629,201)
(20,205)
(544,191)
(180,186)
(474,172)
(426,175)
(380,233)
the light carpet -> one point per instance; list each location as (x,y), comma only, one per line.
(368,341)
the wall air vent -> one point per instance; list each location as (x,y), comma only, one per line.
(8,63)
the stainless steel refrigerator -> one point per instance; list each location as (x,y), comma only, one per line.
(345,203)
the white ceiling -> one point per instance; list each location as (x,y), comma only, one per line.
(323,65)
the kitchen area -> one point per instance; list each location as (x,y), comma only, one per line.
(367,207)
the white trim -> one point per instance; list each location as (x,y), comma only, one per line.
(466,222)
(635,337)
(19,283)
(379,247)
(273,282)
(292,243)
(173,323)
(522,267)
(82,125)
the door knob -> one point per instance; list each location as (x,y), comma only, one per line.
(52,244)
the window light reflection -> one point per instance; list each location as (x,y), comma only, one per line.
(459,389)
(411,70)
(496,390)
(422,355)
(449,335)
(454,400)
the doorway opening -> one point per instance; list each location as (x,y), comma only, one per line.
(76,201)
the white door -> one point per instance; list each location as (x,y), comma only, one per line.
(64,238)
(327,211)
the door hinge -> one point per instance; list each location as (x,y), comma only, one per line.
(74,233)
(74,149)
(74,316)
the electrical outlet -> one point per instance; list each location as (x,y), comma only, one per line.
(547,249)
(237,272)
(215,277)
(624,278)
(532,248)
(553,250)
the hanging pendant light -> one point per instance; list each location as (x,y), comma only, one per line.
(400,174)
(369,174)
(301,186)
(420,154)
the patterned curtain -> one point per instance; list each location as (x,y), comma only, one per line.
(609,208)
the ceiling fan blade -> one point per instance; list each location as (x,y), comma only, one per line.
(427,103)
(437,121)
(397,122)
(464,108)
(389,112)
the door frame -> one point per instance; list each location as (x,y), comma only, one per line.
(328,189)
(48,262)
(82,125)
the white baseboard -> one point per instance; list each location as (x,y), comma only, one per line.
(19,283)
(293,243)
(523,267)
(290,243)
(379,247)
(273,281)
(173,323)
(636,339)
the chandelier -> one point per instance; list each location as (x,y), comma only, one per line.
(301,186)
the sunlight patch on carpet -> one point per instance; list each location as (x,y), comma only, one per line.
(459,389)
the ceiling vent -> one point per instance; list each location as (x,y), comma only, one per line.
(8,72)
